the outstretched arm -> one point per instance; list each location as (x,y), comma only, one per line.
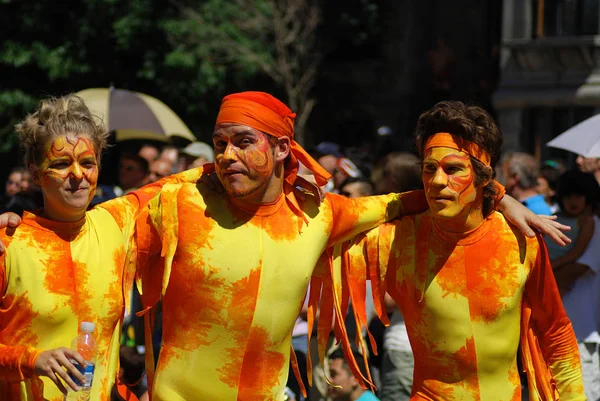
(527,221)
(350,217)
(551,326)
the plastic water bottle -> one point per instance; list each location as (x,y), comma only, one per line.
(86,345)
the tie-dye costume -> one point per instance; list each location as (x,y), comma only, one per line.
(54,275)
(234,277)
(467,300)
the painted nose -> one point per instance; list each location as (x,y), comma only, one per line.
(440,178)
(76,171)
(229,153)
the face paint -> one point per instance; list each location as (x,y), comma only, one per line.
(260,158)
(449,183)
(244,161)
(68,175)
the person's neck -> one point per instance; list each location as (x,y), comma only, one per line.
(522,194)
(461,224)
(54,215)
(355,395)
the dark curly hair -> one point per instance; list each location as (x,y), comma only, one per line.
(473,124)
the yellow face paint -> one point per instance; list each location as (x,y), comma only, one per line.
(68,175)
(449,183)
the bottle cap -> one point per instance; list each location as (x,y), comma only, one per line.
(87,327)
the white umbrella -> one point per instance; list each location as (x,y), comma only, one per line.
(583,138)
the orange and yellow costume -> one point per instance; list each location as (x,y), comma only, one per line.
(235,277)
(55,275)
(233,274)
(467,298)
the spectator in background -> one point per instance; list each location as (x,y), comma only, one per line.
(26,181)
(345,387)
(12,186)
(355,187)
(13,182)
(327,155)
(576,267)
(397,170)
(133,173)
(28,198)
(520,173)
(362,158)
(589,165)
(196,154)
(158,169)
(344,169)
(577,193)
(550,172)
(170,153)
(149,152)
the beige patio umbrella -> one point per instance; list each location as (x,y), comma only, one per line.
(134,115)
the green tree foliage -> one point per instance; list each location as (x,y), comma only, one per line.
(271,38)
(188,54)
(52,48)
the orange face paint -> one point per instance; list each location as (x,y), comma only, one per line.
(68,175)
(244,162)
(449,183)
(69,155)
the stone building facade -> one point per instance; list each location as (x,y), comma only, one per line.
(550,72)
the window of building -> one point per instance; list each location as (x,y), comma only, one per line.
(540,125)
(567,17)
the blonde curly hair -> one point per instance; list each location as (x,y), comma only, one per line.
(58,116)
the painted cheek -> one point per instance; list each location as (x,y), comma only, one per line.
(260,160)
(55,175)
(462,186)
(91,175)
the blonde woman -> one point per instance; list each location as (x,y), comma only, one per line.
(64,264)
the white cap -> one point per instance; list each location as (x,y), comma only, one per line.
(88,327)
(199,149)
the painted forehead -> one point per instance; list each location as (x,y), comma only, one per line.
(76,146)
(439,153)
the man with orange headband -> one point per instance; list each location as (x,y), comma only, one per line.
(232,269)
(469,285)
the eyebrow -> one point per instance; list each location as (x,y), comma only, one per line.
(236,134)
(60,158)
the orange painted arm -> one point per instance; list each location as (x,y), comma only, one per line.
(16,362)
(551,328)
(349,217)
(126,208)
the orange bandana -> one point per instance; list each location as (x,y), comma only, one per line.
(263,112)
(455,142)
